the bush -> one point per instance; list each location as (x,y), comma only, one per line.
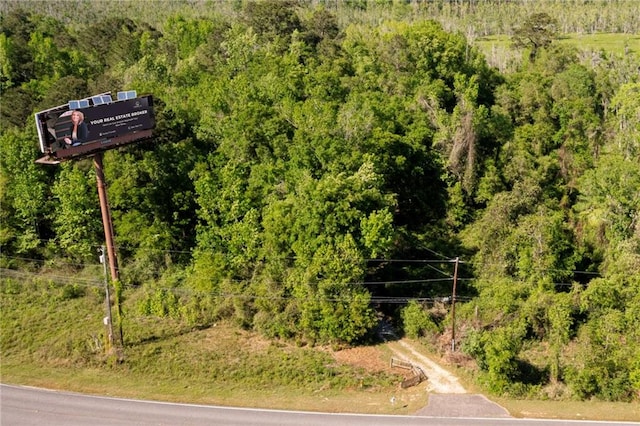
(159,302)
(71,291)
(473,346)
(499,351)
(416,321)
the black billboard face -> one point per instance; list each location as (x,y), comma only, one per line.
(70,133)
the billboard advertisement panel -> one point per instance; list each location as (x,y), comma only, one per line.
(81,128)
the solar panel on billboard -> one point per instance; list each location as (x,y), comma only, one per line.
(129,94)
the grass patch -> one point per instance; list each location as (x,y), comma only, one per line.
(572,410)
(498,51)
(613,43)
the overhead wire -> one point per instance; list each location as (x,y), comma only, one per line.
(88,282)
(377,299)
(4,272)
(427,262)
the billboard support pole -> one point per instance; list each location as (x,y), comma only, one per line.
(453,306)
(108,319)
(107,223)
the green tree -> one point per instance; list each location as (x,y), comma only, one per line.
(6,67)
(110,43)
(186,35)
(609,203)
(64,90)
(501,348)
(560,315)
(76,213)
(23,194)
(16,106)
(16,28)
(537,32)
(273,19)
(625,122)
(151,198)
(320,28)
(575,106)
(333,307)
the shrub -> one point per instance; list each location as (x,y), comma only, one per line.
(501,349)
(416,321)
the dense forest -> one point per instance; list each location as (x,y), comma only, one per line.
(319,167)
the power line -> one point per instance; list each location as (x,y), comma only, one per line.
(431,280)
(410,260)
(124,247)
(227,295)
(369,283)
(427,262)
(438,254)
(43,261)
(88,282)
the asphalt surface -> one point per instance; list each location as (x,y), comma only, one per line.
(24,406)
(462,405)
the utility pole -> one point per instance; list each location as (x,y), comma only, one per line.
(107,320)
(453,306)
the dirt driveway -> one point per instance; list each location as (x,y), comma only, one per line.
(447,397)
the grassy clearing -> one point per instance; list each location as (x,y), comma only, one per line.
(497,49)
(190,390)
(612,43)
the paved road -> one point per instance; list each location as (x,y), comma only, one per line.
(21,406)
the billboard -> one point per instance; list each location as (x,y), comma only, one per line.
(81,128)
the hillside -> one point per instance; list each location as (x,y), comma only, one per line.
(317,168)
